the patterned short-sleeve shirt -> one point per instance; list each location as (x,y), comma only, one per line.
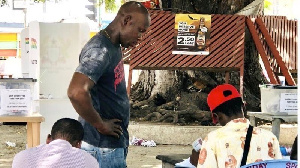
(224,147)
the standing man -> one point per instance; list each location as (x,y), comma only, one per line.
(97,90)
(224,147)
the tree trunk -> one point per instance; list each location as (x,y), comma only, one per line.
(185,92)
(206,6)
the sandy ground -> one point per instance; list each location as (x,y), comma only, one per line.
(138,156)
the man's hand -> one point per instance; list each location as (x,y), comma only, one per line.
(111,127)
(194,157)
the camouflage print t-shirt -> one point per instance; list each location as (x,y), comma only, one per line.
(101,61)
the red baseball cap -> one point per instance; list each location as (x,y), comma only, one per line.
(219,95)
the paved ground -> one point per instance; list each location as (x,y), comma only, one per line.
(138,156)
(144,157)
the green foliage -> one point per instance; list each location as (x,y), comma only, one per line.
(267,4)
(3,2)
(268,7)
(110,5)
(38,1)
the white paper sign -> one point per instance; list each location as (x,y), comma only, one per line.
(288,102)
(15,99)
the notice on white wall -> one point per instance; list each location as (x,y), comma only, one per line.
(288,102)
(15,99)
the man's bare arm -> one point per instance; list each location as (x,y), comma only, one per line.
(194,157)
(79,95)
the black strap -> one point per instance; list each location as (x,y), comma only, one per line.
(247,145)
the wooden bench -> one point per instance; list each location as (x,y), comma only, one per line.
(169,161)
(274,118)
(33,127)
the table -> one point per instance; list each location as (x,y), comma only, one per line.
(33,127)
(275,118)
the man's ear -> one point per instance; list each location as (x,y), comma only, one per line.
(127,19)
(49,139)
(78,144)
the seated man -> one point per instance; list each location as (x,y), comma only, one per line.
(62,149)
(224,147)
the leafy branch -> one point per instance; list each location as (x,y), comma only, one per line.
(110,5)
(3,3)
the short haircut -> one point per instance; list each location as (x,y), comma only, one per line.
(231,107)
(68,129)
(132,6)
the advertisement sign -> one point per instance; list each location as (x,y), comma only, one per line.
(192,34)
(273,164)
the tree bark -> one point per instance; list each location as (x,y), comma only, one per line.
(179,87)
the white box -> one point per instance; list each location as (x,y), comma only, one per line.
(279,100)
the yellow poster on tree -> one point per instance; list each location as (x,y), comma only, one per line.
(192,34)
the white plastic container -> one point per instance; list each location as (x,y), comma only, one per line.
(279,100)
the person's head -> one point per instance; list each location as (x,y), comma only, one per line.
(67,129)
(225,103)
(134,20)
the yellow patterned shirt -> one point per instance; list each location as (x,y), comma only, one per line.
(223,148)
